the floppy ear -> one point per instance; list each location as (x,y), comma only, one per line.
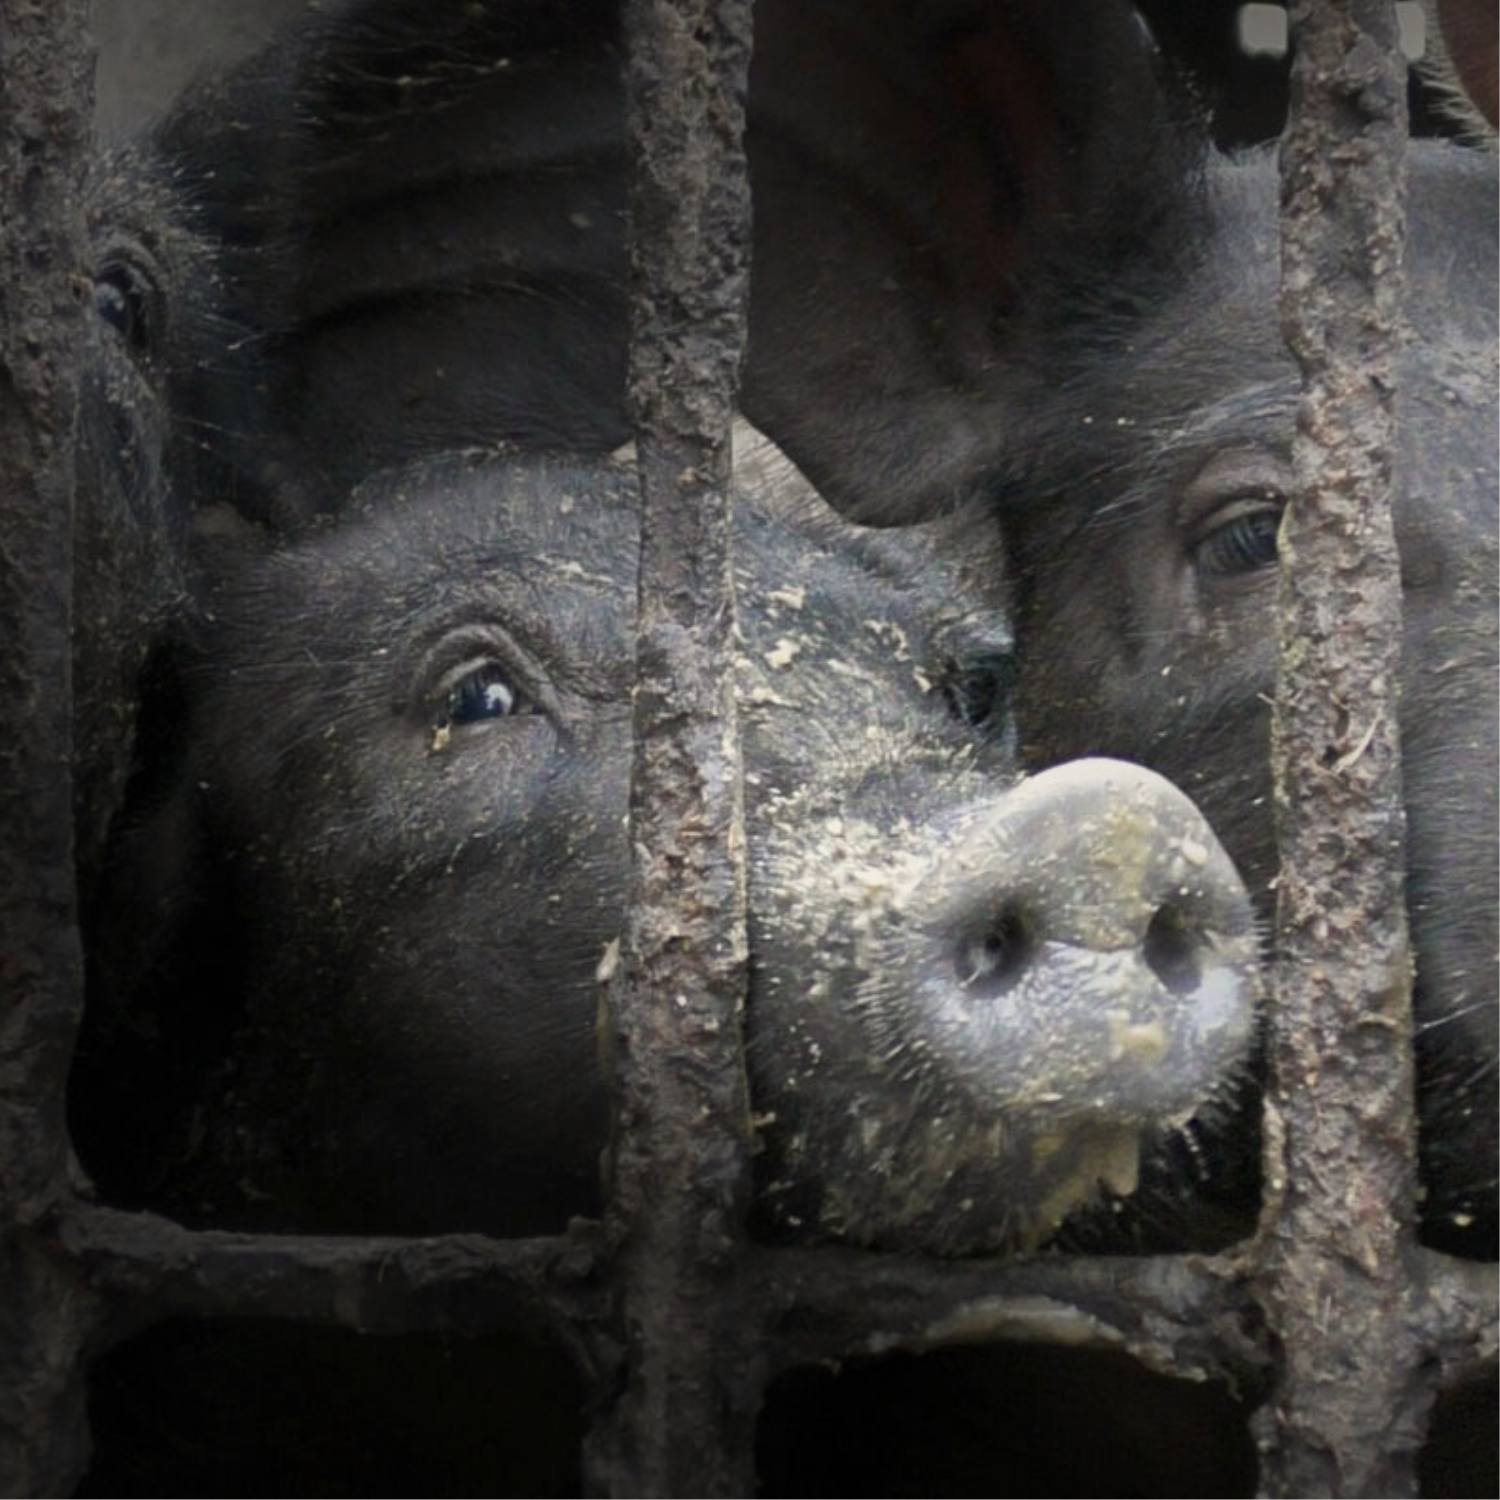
(418,211)
(914,165)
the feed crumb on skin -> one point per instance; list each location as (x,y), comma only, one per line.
(1144,1042)
(609,961)
(784,653)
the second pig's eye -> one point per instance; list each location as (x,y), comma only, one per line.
(1244,543)
(978,690)
(484,693)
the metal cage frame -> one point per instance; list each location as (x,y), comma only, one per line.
(667,1303)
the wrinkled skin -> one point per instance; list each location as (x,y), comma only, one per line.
(394,852)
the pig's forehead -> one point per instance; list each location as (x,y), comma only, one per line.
(1208,362)
(485,513)
(565,529)
(547,542)
(1222,328)
(1226,316)
(829,577)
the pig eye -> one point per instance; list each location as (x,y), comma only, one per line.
(126,297)
(1245,543)
(977,690)
(484,693)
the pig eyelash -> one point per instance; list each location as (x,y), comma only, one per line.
(1245,542)
(474,674)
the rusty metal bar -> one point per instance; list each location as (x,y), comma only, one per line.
(147,1269)
(1348,1411)
(46,98)
(684,1421)
(1185,1315)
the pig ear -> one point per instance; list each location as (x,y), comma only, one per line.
(1462,47)
(915,168)
(415,210)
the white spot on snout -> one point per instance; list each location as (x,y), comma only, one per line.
(1192,851)
(1143,1042)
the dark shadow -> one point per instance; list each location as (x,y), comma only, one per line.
(1462,1455)
(1022,1420)
(264,1409)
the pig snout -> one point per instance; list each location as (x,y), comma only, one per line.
(1090,949)
(1030,999)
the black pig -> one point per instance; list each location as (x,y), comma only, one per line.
(390,862)
(988,261)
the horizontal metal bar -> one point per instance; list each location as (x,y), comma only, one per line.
(1186,1315)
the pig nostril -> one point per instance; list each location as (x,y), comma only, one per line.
(1172,950)
(992,958)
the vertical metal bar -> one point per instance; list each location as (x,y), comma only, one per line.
(46,98)
(683,1424)
(1349,1410)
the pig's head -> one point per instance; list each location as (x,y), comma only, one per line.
(960,986)
(1179,509)
(386,866)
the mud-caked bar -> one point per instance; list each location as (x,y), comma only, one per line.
(684,1421)
(46,97)
(1347,1414)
